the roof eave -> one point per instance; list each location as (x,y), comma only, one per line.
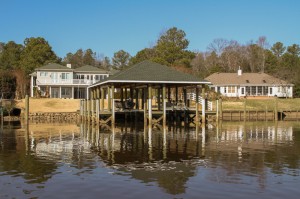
(149,82)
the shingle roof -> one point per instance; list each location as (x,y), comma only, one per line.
(244,79)
(151,71)
(88,68)
(54,66)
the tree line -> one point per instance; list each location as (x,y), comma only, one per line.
(18,61)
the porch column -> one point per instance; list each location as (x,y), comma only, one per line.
(60,92)
(31,86)
(87,93)
(72,92)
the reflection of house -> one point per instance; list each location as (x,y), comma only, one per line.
(57,81)
(249,84)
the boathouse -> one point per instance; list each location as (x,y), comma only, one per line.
(149,88)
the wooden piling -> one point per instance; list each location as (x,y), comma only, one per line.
(197,105)
(164,105)
(203,105)
(150,105)
(102,99)
(108,99)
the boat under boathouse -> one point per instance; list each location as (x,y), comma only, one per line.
(157,92)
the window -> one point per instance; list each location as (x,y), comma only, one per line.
(243,91)
(271,91)
(225,90)
(231,89)
(253,90)
(65,91)
(259,90)
(65,76)
(248,90)
(43,74)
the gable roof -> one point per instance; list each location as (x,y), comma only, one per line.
(151,72)
(54,66)
(91,69)
(244,79)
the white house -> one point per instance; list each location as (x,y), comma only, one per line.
(249,84)
(57,81)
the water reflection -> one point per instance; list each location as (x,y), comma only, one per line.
(234,153)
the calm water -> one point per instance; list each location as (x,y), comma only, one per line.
(235,160)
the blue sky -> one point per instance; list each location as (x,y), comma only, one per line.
(107,26)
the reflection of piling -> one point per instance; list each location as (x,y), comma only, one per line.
(26,109)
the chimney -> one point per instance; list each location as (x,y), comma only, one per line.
(69,65)
(239,71)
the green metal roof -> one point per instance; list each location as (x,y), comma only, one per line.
(54,66)
(152,72)
(91,69)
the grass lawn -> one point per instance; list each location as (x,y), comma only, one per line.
(262,104)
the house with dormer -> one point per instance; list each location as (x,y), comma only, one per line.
(58,81)
(249,84)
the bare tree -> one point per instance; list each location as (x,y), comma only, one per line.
(263,44)
(217,46)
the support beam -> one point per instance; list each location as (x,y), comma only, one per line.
(102,99)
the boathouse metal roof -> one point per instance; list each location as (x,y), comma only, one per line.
(151,72)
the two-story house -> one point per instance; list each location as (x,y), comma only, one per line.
(57,81)
(249,84)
